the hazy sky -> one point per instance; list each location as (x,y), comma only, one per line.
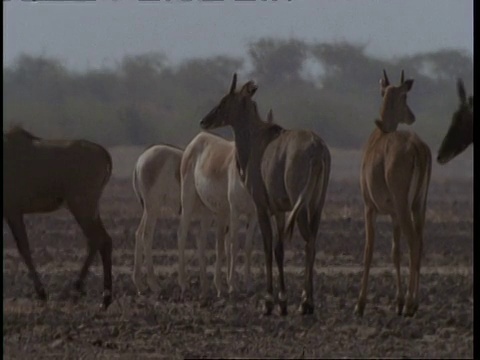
(86,34)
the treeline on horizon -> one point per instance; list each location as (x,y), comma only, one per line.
(330,88)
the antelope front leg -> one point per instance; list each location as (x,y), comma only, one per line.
(232,252)
(19,233)
(148,238)
(370,216)
(419,219)
(407,226)
(266,229)
(205,222)
(279,256)
(138,256)
(182,238)
(248,253)
(307,306)
(411,305)
(220,249)
(396,257)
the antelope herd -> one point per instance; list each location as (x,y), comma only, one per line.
(267,173)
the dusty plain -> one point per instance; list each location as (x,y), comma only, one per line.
(161,326)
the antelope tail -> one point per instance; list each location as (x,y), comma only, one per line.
(304,196)
(135,187)
(108,173)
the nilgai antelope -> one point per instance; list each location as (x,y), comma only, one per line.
(156,182)
(42,175)
(460,132)
(241,203)
(212,187)
(283,170)
(394,180)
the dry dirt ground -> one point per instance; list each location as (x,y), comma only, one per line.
(161,326)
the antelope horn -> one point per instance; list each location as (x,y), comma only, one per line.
(461,91)
(385,77)
(234,83)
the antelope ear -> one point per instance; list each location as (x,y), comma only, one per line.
(461,91)
(384,82)
(382,87)
(379,124)
(408,83)
(249,89)
(253,90)
(234,84)
(270,117)
(470,101)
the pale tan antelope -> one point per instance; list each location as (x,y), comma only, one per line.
(156,182)
(212,187)
(394,179)
(284,170)
(43,175)
(460,132)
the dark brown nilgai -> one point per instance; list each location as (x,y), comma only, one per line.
(283,170)
(460,132)
(41,176)
(394,180)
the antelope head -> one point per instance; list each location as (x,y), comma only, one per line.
(395,109)
(228,110)
(460,132)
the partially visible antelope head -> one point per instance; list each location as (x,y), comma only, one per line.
(270,116)
(395,109)
(250,88)
(460,132)
(226,112)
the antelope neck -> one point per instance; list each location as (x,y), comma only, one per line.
(245,132)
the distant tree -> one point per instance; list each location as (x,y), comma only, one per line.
(102,85)
(144,99)
(276,61)
(347,67)
(34,78)
(204,76)
(140,75)
(445,64)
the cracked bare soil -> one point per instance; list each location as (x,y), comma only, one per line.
(162,326)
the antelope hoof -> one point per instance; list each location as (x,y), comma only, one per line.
(153,285)
(203,301)
(268,307)
(411,309)
(107,300)
(283,307)
(78,286)
(42,294)
(139,283)
(400,306)
(141,288)
(306,308)
(359,308)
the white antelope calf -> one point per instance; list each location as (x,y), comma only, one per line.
(394,180)
(156,182)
